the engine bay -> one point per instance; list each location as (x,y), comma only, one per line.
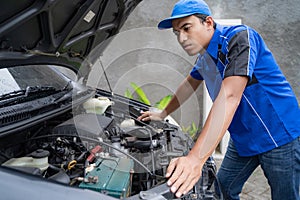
(105,150)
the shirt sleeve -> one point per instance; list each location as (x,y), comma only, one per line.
(241,55)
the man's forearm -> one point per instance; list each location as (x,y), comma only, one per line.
(220,116)
(184,91)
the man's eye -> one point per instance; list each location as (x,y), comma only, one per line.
(176,33)
(186,28)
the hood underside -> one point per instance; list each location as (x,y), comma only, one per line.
(58,32)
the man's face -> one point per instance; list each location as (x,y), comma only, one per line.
(193,35)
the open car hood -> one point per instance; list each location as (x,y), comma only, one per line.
(58,32)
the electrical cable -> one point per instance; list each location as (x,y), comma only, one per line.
(218,183)
(98,141)
(115,148)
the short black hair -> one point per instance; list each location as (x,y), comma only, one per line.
(203,17)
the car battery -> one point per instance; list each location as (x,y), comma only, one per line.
(110,176)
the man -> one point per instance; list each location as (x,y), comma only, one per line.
(251,98)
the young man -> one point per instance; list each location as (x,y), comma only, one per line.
(251,98)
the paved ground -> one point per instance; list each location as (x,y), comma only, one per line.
(256,188)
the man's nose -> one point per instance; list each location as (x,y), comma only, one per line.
(182,37)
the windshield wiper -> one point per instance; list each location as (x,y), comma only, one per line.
(68,86)
(39,90)
(30,93)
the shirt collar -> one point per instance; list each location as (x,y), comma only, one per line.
(212,48)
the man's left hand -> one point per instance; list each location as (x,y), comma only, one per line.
(183,173)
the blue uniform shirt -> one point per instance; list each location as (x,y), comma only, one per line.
(268,115)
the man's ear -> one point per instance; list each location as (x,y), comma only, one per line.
(209,21)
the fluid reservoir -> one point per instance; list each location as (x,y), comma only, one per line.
(97,105)
(37,159)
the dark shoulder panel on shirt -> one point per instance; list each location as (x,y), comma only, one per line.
(238,55)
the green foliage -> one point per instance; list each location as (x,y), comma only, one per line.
(192,130)
(161,104)
(141,95)
(128,94)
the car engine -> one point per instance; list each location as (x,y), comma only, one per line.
(107,151)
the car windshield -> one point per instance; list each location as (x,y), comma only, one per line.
(21,77)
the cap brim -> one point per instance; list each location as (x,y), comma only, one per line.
(167,23)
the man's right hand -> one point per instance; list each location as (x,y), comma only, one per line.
(148,116)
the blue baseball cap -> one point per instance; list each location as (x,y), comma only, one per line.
(184,8)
